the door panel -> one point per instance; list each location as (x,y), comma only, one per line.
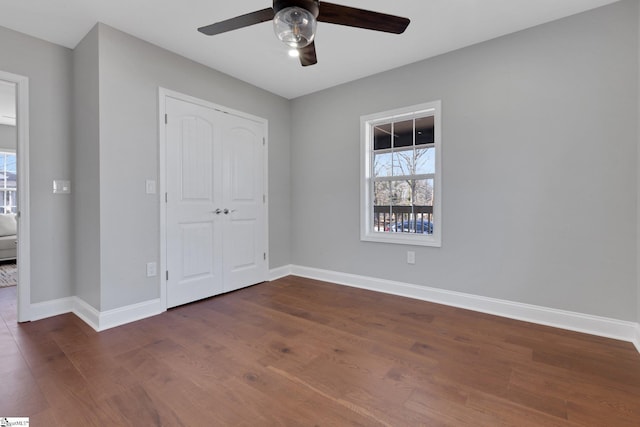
(194,233)
(242,162)
(215,210)
(197,250)
(243,255)
(243,154)
(197,156)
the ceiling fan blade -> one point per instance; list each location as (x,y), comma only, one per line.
(238,22)
(360,18)
(308,55)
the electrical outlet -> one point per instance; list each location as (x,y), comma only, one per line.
(152,269)
(411,257)
(150,186)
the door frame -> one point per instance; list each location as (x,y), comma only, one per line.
(24,228)
(163,94)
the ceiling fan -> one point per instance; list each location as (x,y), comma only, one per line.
(294,22)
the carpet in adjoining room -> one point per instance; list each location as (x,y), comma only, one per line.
(8,275)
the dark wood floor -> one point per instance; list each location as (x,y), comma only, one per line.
(302,352)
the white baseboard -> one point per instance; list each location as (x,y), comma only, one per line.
(131,313)
(86,312)
(99,321)
(42,310)
(279,272)
(594,325)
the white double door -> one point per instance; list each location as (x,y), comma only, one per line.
(215,202)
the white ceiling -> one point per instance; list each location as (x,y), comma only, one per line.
(255,55)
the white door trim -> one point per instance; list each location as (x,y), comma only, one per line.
(163,94)
(22,150)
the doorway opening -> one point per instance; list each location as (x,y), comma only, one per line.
(8,202)
(15,291)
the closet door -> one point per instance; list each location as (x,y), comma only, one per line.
(193,183)
(215,206)
(244,200)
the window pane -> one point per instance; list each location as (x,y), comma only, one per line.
(412,224)
(381,206)
(382,137)
(425,160)
(412,211)
(423,192)
(424,130)
(381,193)
(382,164)
(403,163)
(403,134)
(401,193)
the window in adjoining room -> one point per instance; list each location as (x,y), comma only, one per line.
(8,188)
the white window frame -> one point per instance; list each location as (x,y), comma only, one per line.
(367,123)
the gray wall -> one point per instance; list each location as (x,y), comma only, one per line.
(539,170)
(86,169)
(48,68)
(638,187)
(8,137)
(130,72)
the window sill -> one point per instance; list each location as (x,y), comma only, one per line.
(403,239)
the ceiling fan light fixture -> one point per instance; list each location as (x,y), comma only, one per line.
(295,26)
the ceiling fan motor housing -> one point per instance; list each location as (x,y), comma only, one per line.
(310,5)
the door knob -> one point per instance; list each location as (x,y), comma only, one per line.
(227,211)
(217,211)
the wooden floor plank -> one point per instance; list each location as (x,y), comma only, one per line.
(302,352)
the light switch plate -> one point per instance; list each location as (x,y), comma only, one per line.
(61,186)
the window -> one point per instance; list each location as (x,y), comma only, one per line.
(8,193)
(400,188)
